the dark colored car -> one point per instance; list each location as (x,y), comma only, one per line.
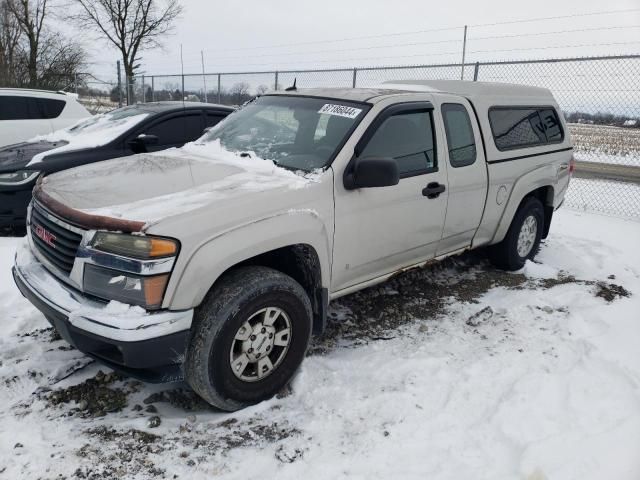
(148,127)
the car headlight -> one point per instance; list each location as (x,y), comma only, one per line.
(134,246)
(111,283)
(21,177)
(145,291)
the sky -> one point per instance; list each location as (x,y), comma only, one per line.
(255,35)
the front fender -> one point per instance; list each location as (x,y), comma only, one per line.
(199,269)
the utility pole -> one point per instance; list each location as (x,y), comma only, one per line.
(464,50)
(119,87)
(204,78)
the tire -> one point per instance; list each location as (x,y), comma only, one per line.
(507,254)
(218,336)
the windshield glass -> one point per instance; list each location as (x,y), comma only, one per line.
(294,132)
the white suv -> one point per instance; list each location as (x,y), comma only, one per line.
(26,113)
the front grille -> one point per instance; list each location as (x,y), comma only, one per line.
(55,242)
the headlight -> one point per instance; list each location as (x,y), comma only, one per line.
(125,287)
(21,177)
(134,246)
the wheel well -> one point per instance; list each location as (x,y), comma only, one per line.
(300,262)
(545,195)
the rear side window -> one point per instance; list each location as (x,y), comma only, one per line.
(177,130)
(520,127)
(460,139)
(212,119)
(49,107)
(407,138)
(16,108)
(28,108)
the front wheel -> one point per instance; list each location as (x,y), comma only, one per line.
(522,241)
(248,337)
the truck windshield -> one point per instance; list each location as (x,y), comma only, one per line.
(300,133)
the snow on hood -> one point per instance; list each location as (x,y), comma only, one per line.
(88,133)
(149,187)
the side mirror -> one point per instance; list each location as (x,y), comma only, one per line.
(145,139)
(372,172)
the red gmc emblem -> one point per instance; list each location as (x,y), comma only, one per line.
(45,235)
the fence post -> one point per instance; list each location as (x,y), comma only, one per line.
(144,91)
(119,86)
(153,88)
(183,87)
(275,87)
(464,51)
(475,72)
(219,85)
(355,75)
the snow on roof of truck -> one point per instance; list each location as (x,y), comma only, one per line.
(463,88)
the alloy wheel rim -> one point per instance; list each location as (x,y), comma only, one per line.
(260,344)
(527,236)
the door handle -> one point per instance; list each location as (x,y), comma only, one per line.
(433,190)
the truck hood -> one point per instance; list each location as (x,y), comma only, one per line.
(143,189)
(17,156)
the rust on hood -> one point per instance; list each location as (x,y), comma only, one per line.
(84,220)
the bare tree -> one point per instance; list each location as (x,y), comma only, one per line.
(30,17)
(31,53)
(262,89)
(239,92)
(130,25)
(10,50)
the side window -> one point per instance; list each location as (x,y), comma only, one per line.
(177,130)
(49,107)
(520,127)
(407,138)
(16,108)
(212,119)
(460,139)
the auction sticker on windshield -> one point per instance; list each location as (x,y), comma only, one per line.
(340,110)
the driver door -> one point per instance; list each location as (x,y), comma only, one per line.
(380,230)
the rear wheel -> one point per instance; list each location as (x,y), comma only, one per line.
(248,337)
(522,241)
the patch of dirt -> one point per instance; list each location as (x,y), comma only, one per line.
(115,453)
(181,398)
(423,293)
(230,434)
(48,334)
(95,397)
(611,291)
(118,453)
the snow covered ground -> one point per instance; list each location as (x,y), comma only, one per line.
(455,372)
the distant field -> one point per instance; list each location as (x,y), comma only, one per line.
(605,144)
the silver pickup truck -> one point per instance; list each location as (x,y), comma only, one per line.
(216,262)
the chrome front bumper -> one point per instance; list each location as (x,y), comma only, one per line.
(114,321)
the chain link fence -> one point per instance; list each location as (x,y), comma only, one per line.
(599,96)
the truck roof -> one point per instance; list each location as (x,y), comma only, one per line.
(456,87)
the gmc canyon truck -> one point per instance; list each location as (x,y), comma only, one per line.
(215,262)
